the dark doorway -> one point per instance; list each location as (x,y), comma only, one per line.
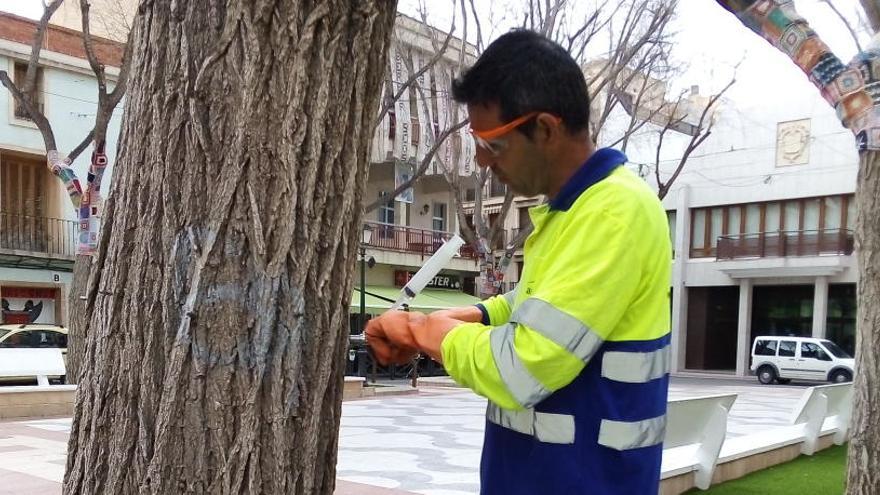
(841,322)
(782,310)
(712,328)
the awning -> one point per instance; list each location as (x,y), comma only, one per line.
(429,300)
(488,210)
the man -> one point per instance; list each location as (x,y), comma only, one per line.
(575,361)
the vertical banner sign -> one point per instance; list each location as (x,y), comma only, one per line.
(402,136)
(380,136)
(421,95)
(441,116)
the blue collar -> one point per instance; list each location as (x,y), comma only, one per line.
(597,167)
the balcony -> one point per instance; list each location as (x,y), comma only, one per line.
(411,240)
(37,242)
(783,244)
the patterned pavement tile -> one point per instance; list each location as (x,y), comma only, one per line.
(426,444)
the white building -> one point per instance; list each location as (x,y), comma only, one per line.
(37,219)
(763,221)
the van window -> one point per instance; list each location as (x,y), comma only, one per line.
(834,349)
(787,347)
(766,347)
(813,351)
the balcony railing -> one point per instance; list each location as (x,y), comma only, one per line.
(781,244)
(42,235)
(411,240)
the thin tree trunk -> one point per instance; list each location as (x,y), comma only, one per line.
(77,316)
(214,349)
(863,472)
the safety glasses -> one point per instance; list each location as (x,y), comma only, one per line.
(488,139)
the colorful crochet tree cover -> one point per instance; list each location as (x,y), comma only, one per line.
(88,203)
(853,90)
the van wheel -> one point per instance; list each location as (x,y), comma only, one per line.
(841,376)
(766,375)
(783,381)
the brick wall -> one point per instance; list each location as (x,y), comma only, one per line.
(59,39)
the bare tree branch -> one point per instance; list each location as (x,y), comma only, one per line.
(438,54)
(31,77)
(846,23)
(423,166)
(872,11)
(696,140)
(97,68)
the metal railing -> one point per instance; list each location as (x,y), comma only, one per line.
(411,240)
(785,243)
(44,235)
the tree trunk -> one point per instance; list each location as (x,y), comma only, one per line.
(214,351)
(77,315)
(863,472)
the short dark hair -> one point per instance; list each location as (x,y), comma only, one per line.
(523,71)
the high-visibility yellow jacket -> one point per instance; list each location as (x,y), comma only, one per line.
(575,361)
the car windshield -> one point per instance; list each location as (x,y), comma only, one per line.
(834,349)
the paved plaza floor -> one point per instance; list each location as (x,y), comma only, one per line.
(427,443)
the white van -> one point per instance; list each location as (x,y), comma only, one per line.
(781,359)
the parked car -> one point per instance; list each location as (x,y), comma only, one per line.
(34,335)
(781,359)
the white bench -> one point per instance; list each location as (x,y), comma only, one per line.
(821,405)
(39,363)
(695,431)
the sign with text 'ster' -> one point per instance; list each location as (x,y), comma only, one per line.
(401,277)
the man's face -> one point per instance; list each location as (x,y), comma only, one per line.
(512,157)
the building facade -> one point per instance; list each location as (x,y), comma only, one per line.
(762,222)
(37,219)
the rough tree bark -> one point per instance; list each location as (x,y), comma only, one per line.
(218,323)
(863,472)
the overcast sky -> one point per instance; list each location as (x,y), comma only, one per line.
(711,41)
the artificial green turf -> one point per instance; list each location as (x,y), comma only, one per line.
(823,473)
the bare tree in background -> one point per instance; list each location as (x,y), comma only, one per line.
(850,89)
(85,201)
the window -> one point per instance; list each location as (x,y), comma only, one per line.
(698,226)
(766,347)
(386,216)
(717,221)
(438,222)
(834,349)
(813,351)
(496,187)
(19,78)
(786,348)
(771,217)
(811,214)
(851,213)
(833,212)
(792,216)
(753,219)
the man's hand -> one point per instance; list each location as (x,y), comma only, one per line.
(391,338)
(397,336)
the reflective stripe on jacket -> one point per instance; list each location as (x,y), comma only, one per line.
(575,361)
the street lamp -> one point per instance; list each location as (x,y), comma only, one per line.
(366,236)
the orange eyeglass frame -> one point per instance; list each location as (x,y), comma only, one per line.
(490,134)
